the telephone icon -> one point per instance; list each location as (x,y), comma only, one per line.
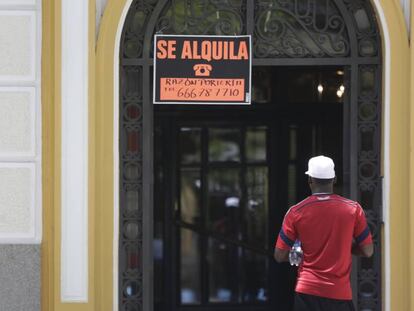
(202,70)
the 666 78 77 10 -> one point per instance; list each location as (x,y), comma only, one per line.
(192,93)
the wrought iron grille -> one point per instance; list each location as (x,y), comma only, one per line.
(299,29)
(285,32)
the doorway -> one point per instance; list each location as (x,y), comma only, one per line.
(225,177)
(284,34)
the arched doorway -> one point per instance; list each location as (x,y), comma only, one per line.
(286,33)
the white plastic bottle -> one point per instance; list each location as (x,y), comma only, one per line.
(296,254)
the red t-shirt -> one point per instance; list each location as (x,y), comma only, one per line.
(326,226)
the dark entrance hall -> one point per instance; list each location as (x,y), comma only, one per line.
(224,178)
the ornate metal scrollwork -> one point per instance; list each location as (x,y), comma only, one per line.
(299,28)
(135,27)
(212,17)
(366,27)
(369,180)
(130,214)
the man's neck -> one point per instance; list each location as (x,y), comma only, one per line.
(323,190)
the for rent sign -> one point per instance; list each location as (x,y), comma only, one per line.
(202,69)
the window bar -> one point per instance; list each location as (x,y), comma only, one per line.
(204,206)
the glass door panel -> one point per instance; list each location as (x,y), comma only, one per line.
(256,214)
(256,144)
(224,144)
(190,272)
(190,140)
(223,272)
(224,195)
(190,196)
(255,274)
(223,219)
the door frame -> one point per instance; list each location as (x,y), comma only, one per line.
(107,90)
(361,172)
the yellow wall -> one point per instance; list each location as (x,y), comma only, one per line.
(399,156)
(104,161)
(49,90)
(410,217)
(101,159)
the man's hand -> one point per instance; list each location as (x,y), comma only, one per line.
(364,251)
(281,255)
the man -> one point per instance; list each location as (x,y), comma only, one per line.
(330,229)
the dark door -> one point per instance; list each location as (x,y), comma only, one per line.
(224,180)
(216,213)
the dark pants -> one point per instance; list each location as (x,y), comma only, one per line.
(314,303)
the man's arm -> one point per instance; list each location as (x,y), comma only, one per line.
(362,244)
(286,238)
(281,255)
(364,250)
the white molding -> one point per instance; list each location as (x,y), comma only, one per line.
(38,86)
(17,2)
(115,244)
(100,9)
(20,5)
(406,8)
(34,235)
(21,8)
(31,77)
(34,113)
(386,157)
(74,191)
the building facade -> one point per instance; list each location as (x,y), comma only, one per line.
(110,202)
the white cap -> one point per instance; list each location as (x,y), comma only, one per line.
(321,167)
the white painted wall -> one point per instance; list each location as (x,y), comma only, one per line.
(20,122)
